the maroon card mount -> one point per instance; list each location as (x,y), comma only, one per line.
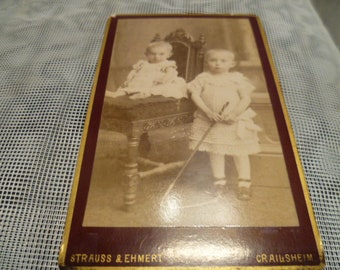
(143,198)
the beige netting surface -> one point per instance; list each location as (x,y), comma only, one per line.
(49,53)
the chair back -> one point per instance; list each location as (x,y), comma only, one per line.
(188,53)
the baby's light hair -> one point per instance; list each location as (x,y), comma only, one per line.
(212,51)
(154,44)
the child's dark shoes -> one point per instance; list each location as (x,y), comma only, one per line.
(244,190)
(217,187)
(244,193)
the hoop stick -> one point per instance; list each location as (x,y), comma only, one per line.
(179,174)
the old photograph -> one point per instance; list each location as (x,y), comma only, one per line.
(188,135)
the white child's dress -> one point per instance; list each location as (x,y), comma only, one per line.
(237,138)
(144,78)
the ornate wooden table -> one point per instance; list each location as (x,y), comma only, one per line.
(135,118)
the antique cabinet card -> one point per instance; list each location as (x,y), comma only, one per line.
(188,159)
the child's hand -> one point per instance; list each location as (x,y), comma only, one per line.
(162,80)
(125,84)
(214,116)
(229,118)
(158,81)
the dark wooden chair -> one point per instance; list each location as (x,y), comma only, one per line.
(135,118)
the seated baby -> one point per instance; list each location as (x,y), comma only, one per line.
(154,76)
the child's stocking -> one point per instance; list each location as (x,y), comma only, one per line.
(217,165)
(218,171)
(242,164)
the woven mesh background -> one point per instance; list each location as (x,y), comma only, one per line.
(49,51)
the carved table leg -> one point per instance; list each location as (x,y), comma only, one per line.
(131,172)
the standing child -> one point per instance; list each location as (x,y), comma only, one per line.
(223,97)
(154,76)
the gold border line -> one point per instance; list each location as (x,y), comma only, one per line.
(294,147)
(69,218)
(262,267)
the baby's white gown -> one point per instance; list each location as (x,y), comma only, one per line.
(144,78)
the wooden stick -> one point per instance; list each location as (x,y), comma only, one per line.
(161,169)
(192,154)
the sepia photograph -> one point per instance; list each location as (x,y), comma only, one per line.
(188,157)
(188,134)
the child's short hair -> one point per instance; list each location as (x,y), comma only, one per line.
(211,51)
(165,44)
